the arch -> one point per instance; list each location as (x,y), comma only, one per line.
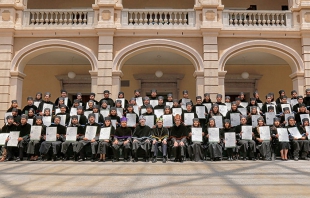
(23,56)
(275,48)
(163,44)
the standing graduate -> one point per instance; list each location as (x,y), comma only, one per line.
(64,95)
(122,139)
(302,111)
(29,105)
(16,116)
(281,94)
(189,109)
(141,138)
(153,94)
(100,119)
(7,128)
(65,145)
(23,139)
(264,146)
(103,145)
(231,152)
(303,141)
(207,98)
(92,97)
(14,105)
(268,102)
(34,145)
(256,96)
(121,95)
(169,99)
(160,135)
(47,97)
(80,114)
(80,99)
(114,117)
(195,149)
(161,104)
(106,96)
(31,116)
(300,101)
(219,99)
(56,145)
(202,121)
(215,148)
(150,112)
(185,98)
(283,146)
(246,146)
(234,109)
(178,136)
(63,112)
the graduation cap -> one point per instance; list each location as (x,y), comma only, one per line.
(146,98)
(91,101)
(74,117)
(39,93)
(133,99)
(198,97)
(14,101)
(290,118)
(118,101)
(149,106)
(129,105)
(76,101)
(78,94)
(136,90)
(104,101)
(307,90)
(185,92)
(24,116)
(189,103)
(227,97)
(153,90)
(62,106)
(227,121)
(211,119)
(30,98)
(167,107)
(196,119)
(241,93)
(169,95)
(47,94)
(14,110)
(96,107)
(112,108)
(107,118)
(160,98)
(79,107)
(276,119)
(106,91)
(237,99)
(92,94)
(302,105)
(270,108)
(286,109)
(91,115)
(243,116)
(141,117)
(123,119)
(284,97)
(219,95)
(260,119)
(281,91)
(298,97)
(62,91)
(233,103)
(305,120)
(61,98)
(119,93)
(293,91)
(59,117)
(215,105)
(47,109)
(9,117)
(206,94)
(176,100)
(252,99)
(38,117)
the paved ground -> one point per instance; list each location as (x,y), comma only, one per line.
(190,179)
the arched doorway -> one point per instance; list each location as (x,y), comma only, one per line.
(271,66)
(48,63)
(179,63)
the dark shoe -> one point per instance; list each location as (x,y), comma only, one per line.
(164,160)
(296,158)
(176,160)
(244,159)
(125,160)
(115,160)
(135,160)
(147,160)
(80,160)
(181,160)
(64,158)
(17,159)
(103,160)
(93,160)
(154,160)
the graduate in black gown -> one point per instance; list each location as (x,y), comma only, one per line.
(7,128)
(34,145)
(141,138)
(195,149)
(283,146)
(215,148)
(263,146)
(160,135)
(106,96)
(207,99)
(103,145)
(64,95)
(29,105)
(199,104)
(178,136)
(47,97)
(122,139)
(14,105)
(231,152)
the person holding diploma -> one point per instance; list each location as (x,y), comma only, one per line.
(61,102)
(90,105)
(149,111)
(34,145)
(7,128)
(161,104)
(100,117)
(176,104)
(65,145)
(304,142)
(231,152)
(63,95)
(29,105)
(286,110)
(130,110)
(252,103)
(302,111)
(189,109)
(14,105)
(234,109)
(103,145)
(299,102)
(246,146)
(159,140)
(268,102)
(113,115)
(195,149)
(122,95)
(23,139)
(141,138)
(47,97)
(153,94)
(178,136)
(214,112)
(31,115)
(60,134)
(16,117)
(38,97)
(185,98)
(219,99)
(122,139)
(207,98)
(106,96)
(215,148)
(169,99)
(47,114)
(284,146)
(202,121)
(93,142)
(104,105)
(252,112)
(262,145)
(63,111)
(80,113)
(92,98)
(80,99)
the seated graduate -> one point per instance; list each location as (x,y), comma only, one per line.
(283,100)
(34,145)
(90,105)
(189,109)
(146,101)
(24,129)
(169,98)
(38,97)
(76,103)
(252,112)
(219,99)
(80,132)
(159,140)
(119,105)
(130,110)
(302,111)
(283,146)
(300,101)
(32,116)
(197,105)
(215,148)
(214,111)
(7,128)
(256,96)
(185,96)
(92,97)
(246,146)
(80,113)
(106,96)
(195,149)
(63,111)
(64,96)
(150,111)
(141,139)
(252,103)
(178,137)
(242,97)
(47,97)
(60,134)
(303,142)
(80,99)
(231,152)
(207,98)
(176,104)
(263,146)
(105,144)
(93,142)
(122,139)
(14,105)
(281,94)
(61,102)
(137,93)
(234,109)
(286,110)
(113,115)
(268,102)
(104,105)
(47,114)
(227,99)
(29,105)
(294,94)
(153,94)
(16,117)
(122,95)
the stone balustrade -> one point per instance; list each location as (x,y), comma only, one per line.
(257,18)
(59,17)
(156,17)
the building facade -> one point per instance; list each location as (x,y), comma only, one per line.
(204,46)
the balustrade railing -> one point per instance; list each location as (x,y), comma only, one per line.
(59,17)
(154,17)
(255,18)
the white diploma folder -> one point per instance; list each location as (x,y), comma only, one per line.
(246,132)
(196,134)
(283,134)
(254,120)
(13,138)
(208,105)
(71,134)
(90,132)
(105,133)
(167,120)
(188,118)
(223,110)
(243,111)
(3,137)
(35,132)
(200,111)
(176,111)
(235,119)
(149,120)
(73,111)
(269,117)
(131,119)
(139,101)
(218,121)
(105,112)
(48,106)
(184,101)
(47,120)
(295,132)
(154,103)
(51,134)
(214,134)
(286,117)
(158,112)
(264,133)
(230,140)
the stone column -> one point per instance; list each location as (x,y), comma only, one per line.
(298,82)
(306,59)
(116,83)
(199,83)
(221,87)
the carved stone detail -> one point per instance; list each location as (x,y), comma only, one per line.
(210,15)
(6,15)
(106,15)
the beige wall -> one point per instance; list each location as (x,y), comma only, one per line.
(42,78)
(261,4)
(176,4)
(59,4)
(274,77)
(187,83)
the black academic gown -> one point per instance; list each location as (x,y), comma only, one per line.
(141,138)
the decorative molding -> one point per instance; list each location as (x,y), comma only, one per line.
(152,78)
